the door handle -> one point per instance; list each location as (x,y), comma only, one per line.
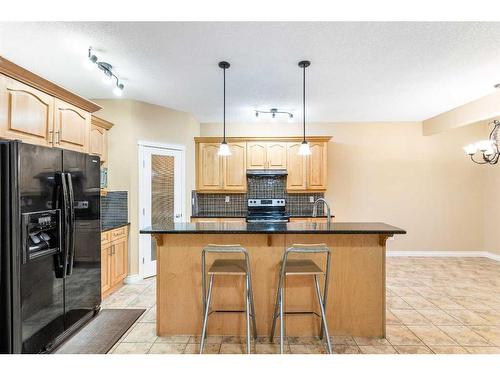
(51,137)
(57,136)
(113,249)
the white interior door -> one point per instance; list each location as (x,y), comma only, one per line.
(161,197)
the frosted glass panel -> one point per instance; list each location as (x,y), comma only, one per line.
(162,193)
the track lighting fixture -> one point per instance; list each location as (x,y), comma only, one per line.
(109,77)
(273,112)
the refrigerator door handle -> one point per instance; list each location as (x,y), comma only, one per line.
(62,196)
(71,238)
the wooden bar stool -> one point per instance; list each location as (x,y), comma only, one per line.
(296,267)
(227,267)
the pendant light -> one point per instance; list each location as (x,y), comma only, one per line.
(224,148)
(304,146)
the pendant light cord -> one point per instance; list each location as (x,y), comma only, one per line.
(304,102)
(224,115)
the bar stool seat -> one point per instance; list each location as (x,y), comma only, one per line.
(302,267)
(228,267)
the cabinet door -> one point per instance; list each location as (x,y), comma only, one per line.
(235,176)
(105,268)
(296,166)
(98,139)
(256,155)
(276,155)
(317,170)
(209,167)
(26,114)
(71,127)
(119,255)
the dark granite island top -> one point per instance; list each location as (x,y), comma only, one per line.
(273,228)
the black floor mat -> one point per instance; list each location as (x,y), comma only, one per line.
(102,332)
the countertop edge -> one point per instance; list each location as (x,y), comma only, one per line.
(114,227)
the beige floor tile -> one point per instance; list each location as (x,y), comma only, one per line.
(142,301)
(308,349)
(401,335)
(346,349)
(167,348)
(378,349)
(411,317)
(432,335)
(397,303)
(342,340)
(207,349)
(439,317)
(413,349)
(390,318)
(295,340)
(468,317)
(270,349)
(149,316)
(132,348)
(464,336)
(483,349)
(370,341)
(418,302)
(490,333)
(491,316)
(181,339)
(226,348)
(448,350)
(208,340)
(403,291)
(444,303)
(142,332)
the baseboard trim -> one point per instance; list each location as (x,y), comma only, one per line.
(454,254)
(133,279)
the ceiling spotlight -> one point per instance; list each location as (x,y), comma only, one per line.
(497,86)
(118,90)
(91,60)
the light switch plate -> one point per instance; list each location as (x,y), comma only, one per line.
(311,199)
(227,199)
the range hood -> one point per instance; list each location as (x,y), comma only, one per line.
(267,172)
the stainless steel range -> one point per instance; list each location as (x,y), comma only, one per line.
(267,211)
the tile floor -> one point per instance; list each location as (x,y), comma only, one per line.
(434,305)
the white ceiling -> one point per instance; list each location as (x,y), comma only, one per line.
(359,72)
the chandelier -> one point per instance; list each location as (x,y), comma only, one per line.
(486,152)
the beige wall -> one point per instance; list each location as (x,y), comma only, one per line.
(390,172)
(476,111)
(135,121)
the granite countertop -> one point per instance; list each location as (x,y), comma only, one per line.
(271,228)
(111,226)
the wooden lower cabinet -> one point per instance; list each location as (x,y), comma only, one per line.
(114,259)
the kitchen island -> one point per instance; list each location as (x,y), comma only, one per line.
(356,295)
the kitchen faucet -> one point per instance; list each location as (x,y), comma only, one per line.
(315,209)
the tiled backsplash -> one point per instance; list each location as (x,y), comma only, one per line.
(114,209)
(258,187)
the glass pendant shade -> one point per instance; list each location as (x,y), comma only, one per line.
(470,149)
(224,149)
(304,149)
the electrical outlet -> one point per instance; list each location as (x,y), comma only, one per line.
(311,199)
(227,199)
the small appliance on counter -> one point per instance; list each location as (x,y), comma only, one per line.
(267,211)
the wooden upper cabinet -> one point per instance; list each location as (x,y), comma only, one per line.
(256,155)
(266,155)
(98,144)
(276,155)
(26,113)
(209,166)
(297,169)
(235,176)
(71,127)
(98,140)
(317,166)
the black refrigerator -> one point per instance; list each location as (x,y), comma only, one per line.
(50,255)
